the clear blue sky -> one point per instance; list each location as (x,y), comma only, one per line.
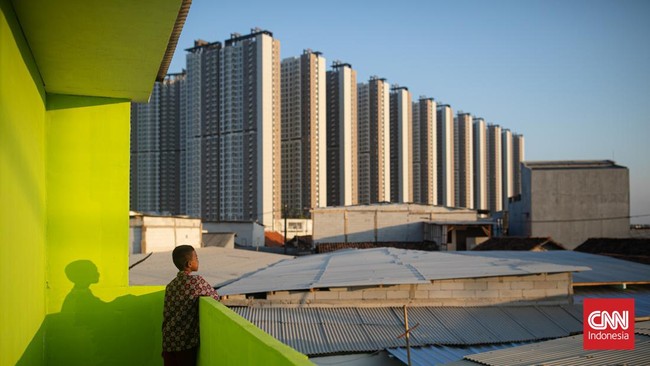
(572,76)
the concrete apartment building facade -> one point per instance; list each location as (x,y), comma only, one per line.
(227,147)
(463,161)
(508,166)
(304,133)
(480,164)
(250,127)
(425,184)
(401,145)
(171,93)
(145,151)
(494,168)
(342,144)
(571,201)
(155,148)
(227,131)
(445,156)
(518,156)
(200,117)
(374,141)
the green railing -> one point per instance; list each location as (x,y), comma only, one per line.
(229,339)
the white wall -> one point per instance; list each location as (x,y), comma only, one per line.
(295,227)
(248,233)
(158,234)
(380,223)
(571,205)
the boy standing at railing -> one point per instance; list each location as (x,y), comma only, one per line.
(180,329)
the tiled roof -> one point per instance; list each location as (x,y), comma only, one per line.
(273,239)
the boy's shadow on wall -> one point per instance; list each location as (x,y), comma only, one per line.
(90,331)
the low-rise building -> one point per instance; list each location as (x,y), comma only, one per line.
(384,277)
(572,201)
(151,233)
(380,222)
(247,233)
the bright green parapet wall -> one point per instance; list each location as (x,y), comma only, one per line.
(229,339)
(22,197)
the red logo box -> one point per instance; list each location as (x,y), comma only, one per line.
(608,324)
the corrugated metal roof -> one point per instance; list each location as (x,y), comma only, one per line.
(643,328)
(564,352)
(317,331)
(217,265)
(603,269)
(440,355)
(384,266)
(640,294)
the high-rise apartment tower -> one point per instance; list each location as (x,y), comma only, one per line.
(480,164)
(200,132)
(518,156)
(445,155)
(401,145)
(304,149)
(425,177)
(250,127)
(508,167)
(463,160)
(494,168)
(155,149)
(342,158)
(374,141)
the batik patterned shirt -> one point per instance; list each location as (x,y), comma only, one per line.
(180,329)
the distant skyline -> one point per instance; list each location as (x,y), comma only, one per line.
(572,76)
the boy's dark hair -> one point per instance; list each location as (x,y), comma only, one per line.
(182,255)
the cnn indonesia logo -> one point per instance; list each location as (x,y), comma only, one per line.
(608,324)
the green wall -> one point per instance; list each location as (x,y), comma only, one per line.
(87,186)
(229,339)
(22,197)
(93,316)
(64,185)
(64,165)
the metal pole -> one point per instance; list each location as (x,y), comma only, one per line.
(285,229)
(406,326)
